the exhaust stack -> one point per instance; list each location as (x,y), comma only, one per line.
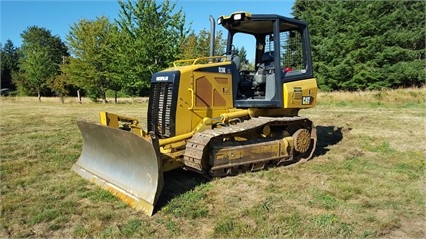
(212,36)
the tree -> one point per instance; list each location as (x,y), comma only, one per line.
(9,63)
(152,35)
(366,44)
(195,46)
(60,82)
(242,54)
(41,55)
(94,45)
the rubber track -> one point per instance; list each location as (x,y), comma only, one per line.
(195,147)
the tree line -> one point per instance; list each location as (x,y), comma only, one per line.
(356,45)
(359,45)
(104,55)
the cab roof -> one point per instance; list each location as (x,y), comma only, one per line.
(258,23)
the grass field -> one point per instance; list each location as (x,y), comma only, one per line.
(366,180)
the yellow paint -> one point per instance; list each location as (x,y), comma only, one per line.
(188,113)
(136,203)
(232,115)
(176,139)
(109,119)
(297,93)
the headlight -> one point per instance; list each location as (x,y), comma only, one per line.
(237,17)
(219,20)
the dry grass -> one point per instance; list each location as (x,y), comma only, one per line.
(392,98)
(366,181)
(71,100)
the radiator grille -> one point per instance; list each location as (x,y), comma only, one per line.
(160,105)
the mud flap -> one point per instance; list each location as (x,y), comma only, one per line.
(121,162)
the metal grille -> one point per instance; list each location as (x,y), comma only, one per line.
(160,102)
(292,56)
(291,49)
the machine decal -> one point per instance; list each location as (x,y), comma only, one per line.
(297,93)
(162,78)
(307,100)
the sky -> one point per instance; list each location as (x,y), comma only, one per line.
(59,15)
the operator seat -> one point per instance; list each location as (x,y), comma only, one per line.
(263,67)
(236,60)
(268,59)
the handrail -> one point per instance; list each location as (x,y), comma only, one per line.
(194,61)
(209,58)
(181,61)
(192,99)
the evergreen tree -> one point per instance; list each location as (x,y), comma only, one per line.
(242,54)
(9,64)
(366,44)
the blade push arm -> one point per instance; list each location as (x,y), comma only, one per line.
(128,123)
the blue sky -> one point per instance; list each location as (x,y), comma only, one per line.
(58,15)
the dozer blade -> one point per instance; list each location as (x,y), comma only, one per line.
(121,162)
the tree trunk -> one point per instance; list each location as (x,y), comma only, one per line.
(62,98)
(104,97)
(115,97)
(39,95)
(79,96)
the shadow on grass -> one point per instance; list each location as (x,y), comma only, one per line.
(326,136)
(178,182)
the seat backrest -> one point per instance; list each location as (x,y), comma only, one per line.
(237,62)
(268,58)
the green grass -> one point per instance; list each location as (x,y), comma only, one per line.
(367,179)
(191,205)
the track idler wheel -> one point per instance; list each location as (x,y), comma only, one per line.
(302,140)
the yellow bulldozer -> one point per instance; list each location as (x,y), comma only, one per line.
(213,115)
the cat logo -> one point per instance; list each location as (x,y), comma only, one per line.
(307,100)
(162,78)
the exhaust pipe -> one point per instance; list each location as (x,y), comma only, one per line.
(212,36)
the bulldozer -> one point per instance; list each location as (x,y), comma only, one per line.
(212,115)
